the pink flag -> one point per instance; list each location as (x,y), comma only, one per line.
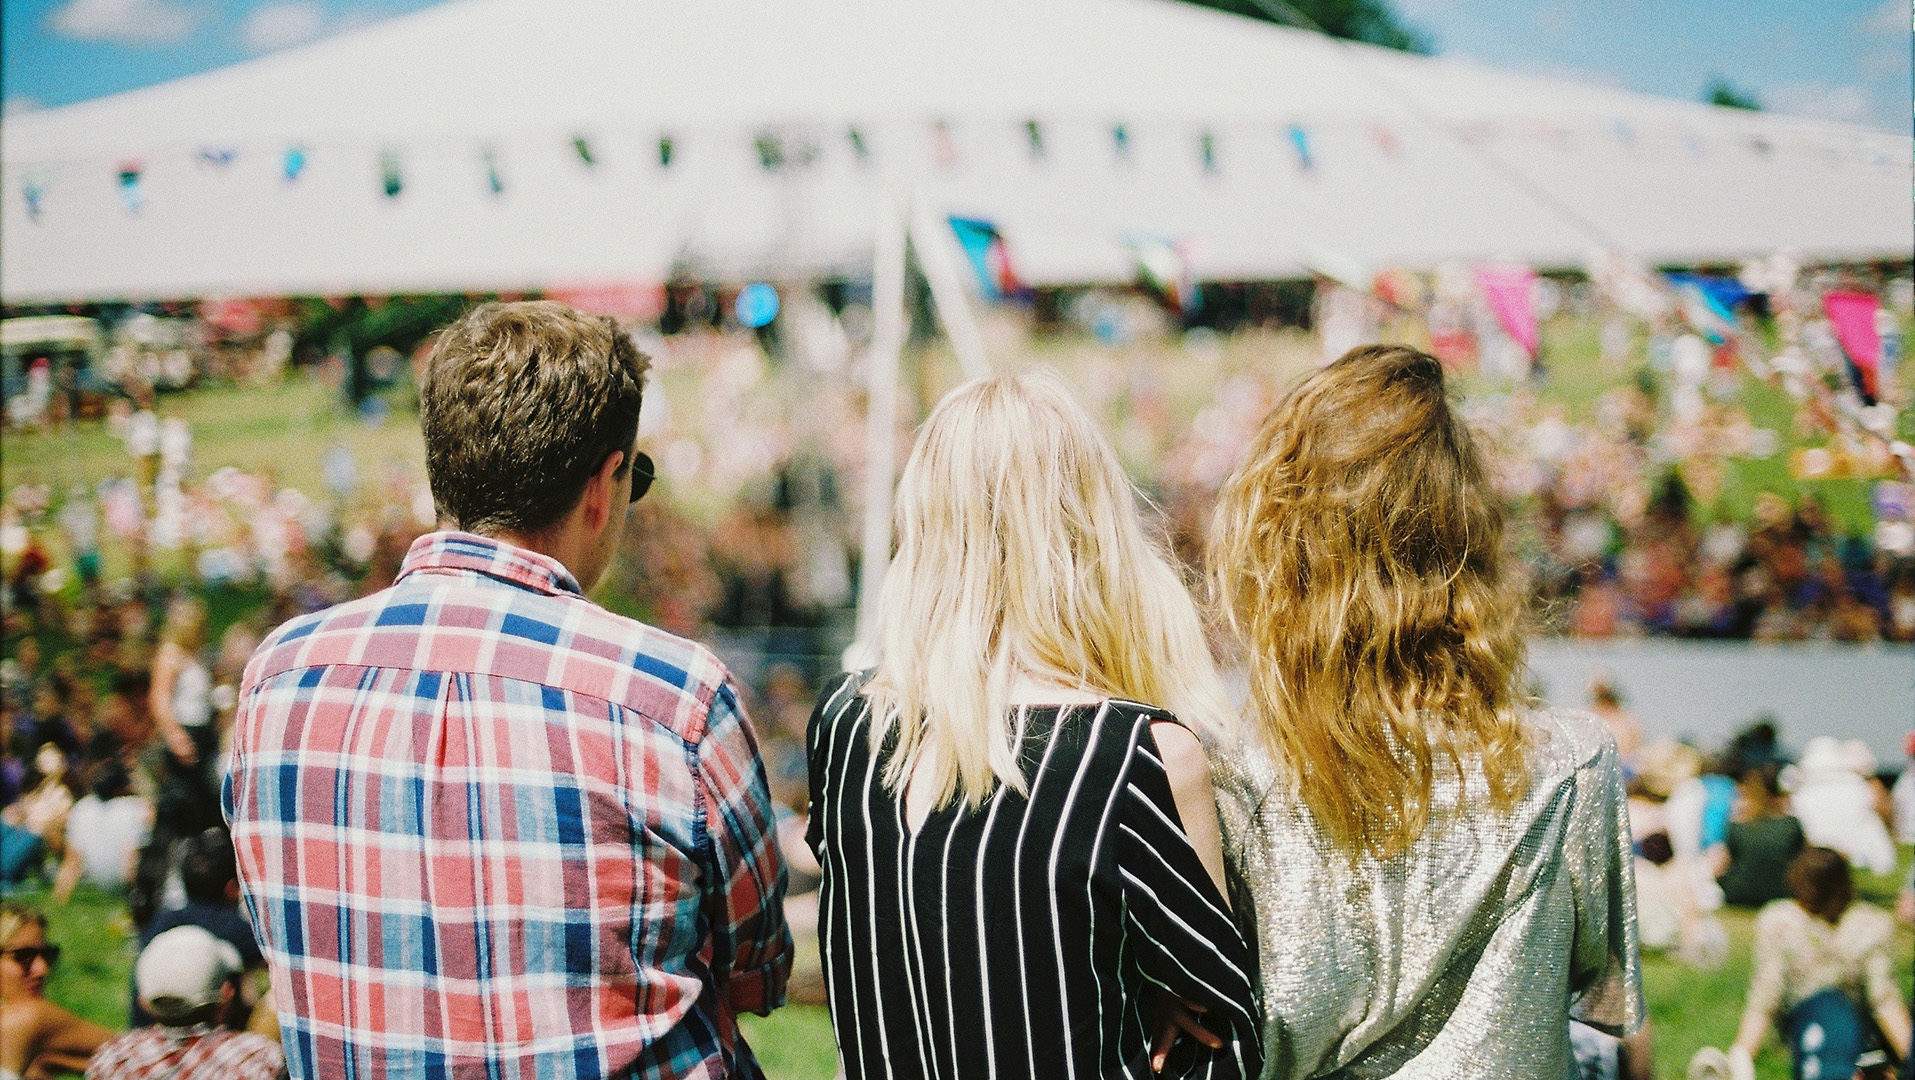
(1852,315)
(1511,292)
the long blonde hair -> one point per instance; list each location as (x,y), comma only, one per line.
(1358,554)
(1021,548)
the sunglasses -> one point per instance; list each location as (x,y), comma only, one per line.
(26,955)
(643,473)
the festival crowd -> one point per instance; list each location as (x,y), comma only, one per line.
(132,609)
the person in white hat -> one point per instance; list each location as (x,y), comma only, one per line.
(189,981)
(1832,795)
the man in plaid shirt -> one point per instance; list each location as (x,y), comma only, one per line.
(486,828)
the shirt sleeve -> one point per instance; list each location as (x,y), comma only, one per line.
(746,877)
(1772,937)
(1878,970)
(832,701)
(1605,977)
(1188,945)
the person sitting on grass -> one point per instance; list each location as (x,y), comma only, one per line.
(192,988)
(1824,975)
(1763,838)
(210,876)
(37,1038)
(105,831)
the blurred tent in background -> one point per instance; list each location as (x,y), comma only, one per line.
(520,144)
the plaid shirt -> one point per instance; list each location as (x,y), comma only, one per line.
(201,1053)
(488,829)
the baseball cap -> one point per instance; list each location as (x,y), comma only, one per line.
(181,971)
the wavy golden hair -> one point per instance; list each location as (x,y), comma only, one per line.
(1022,547)
(1358,555)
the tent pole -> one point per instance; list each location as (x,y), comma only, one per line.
(955,314)
(880,434)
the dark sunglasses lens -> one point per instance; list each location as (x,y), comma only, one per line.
(27,956)
(642,474)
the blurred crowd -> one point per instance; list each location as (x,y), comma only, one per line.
(1793,839)
(132,603)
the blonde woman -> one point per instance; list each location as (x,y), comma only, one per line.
(185,768)
(1016,829)
(181,697)
(1441,872)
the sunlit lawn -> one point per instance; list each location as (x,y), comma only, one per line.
(288,428)
(1690,1008)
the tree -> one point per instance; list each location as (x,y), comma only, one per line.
(1371,21)
(1721,91)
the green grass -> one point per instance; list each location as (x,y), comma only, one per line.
(287,428)
(284,429)
(1690,1009)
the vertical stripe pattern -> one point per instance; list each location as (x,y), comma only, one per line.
(1023,937)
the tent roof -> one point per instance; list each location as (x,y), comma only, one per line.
(1413,160)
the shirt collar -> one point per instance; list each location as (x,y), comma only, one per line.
(450,550)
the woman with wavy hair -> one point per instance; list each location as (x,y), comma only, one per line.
(1022,874)
(1441,871)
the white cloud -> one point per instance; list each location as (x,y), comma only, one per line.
(1848,104)
(126,22)
(1892,19)
(276,26)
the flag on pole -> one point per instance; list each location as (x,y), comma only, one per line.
(1709,303)
(1300,142)
(1163,267)
(391,180)
(130,194)
(294,163)
(990,258)
(1511,292)
(1852,317)
(494,177)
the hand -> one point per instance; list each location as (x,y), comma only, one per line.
(180,745)
(1178,1018)
(1716,859)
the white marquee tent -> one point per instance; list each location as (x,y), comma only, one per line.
(1001,109)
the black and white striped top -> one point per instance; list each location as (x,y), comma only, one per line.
(1019,938)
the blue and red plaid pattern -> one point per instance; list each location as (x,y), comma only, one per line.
(488,829)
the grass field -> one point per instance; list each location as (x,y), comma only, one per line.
(1689,1008)
(288,429)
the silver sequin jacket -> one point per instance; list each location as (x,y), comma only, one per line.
(1467,956)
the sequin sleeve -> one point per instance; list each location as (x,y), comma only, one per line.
(1606,963)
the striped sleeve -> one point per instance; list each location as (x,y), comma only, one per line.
(1187,943)
(751,944)
(835,697)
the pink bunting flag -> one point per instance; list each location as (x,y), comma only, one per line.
(1511,292)
(1852,316)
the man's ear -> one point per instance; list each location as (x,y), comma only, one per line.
(601,494)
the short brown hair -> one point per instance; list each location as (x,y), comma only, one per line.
(521,403)
(1820,882)
(1358,553)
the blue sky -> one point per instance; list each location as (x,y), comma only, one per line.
(1839,59)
